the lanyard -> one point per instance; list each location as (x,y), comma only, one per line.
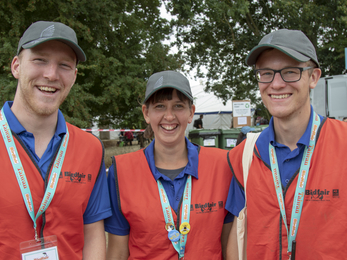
(178,239)
(21,176)
(300,186)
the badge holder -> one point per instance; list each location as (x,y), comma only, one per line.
(43,248)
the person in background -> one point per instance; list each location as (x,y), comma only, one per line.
(129,137)
(296,202)
(53,175)
(231,122)
(344,119)
(168,199)
(243,134)
(198,122)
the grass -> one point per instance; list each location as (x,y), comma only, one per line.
(112,149)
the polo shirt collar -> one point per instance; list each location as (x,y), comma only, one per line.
(304,139)
(191,167)
(17,127)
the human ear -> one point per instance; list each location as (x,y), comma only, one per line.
(315,76)
(15,64)
(145,113)
(192,111)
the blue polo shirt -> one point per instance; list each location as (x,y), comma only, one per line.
(98,207)
(288,162)
(118,225)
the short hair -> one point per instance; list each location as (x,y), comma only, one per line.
(166,94)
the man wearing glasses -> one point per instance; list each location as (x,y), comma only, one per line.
(296,199)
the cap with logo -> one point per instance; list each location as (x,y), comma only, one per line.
(293,43)
(42,31)
(168,79)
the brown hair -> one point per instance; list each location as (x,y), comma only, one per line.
(166,94)
(148,133)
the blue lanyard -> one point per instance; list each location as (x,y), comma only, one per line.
(178,239)
(21,176)
(300,186)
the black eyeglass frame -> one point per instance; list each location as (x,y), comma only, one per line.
(280,72)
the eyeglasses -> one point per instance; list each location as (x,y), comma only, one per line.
(292,74)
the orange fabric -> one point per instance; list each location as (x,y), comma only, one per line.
(322,229)
(64,216)
(140,204)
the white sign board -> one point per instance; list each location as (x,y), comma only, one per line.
(210,142)
(242,108)
(231,143)
(242,120)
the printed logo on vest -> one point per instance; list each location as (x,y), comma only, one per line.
(208,207)
(336,193)
(76,177)
(321,194)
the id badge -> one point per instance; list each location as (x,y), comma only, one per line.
(44,248)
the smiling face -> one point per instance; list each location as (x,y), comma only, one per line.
(286,100)
(45,76)
(169,119)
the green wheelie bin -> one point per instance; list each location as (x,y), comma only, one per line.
(228,138)
(205,137)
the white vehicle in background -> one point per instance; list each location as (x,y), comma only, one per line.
(329,97)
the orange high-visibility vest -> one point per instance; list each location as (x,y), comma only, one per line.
(322,228)
(64,216)
(140,204)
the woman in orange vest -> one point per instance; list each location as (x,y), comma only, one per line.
(168,199)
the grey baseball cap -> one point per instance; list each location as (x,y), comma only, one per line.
(293,43)
(168,79)
(42,31)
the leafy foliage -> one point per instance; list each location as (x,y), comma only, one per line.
(215,36)
(123,43)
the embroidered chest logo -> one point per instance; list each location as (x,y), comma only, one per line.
(322,194)
(208,207)
(76,177)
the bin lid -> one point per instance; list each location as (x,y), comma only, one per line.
(231,131)
(203,132)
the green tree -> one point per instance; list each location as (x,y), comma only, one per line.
(215,37)
(123,43)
